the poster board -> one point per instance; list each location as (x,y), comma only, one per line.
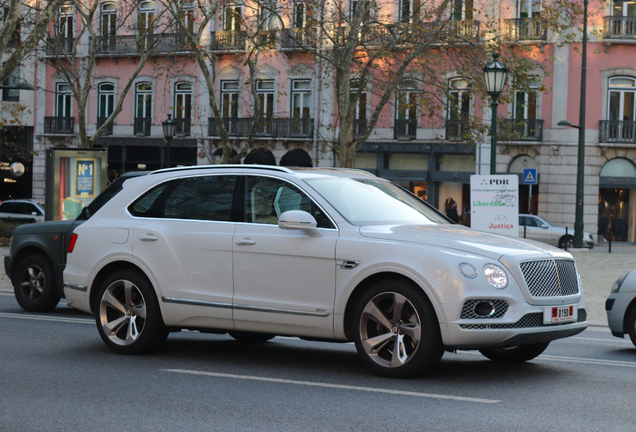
(74,177)
(494,204)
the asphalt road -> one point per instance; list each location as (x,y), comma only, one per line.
(57,375)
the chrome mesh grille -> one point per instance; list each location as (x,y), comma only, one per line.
(550,278)
(468,311)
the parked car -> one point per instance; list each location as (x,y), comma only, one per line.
(539,229)
(21,211)
(319,253)
(37,254)
(621,307)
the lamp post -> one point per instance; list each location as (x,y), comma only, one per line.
(495,74)
(580,166)
(169,126)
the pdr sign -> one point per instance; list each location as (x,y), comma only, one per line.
(494,203)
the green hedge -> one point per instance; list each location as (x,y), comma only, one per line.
(6,228)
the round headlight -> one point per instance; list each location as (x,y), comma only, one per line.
(496,276)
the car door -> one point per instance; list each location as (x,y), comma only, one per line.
(186,242)
(284,280)
(536,232)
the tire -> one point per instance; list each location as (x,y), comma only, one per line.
(514,355)
(378,326)
(34,284)
(566,239)
(127,314)
(630,323)
(251,337)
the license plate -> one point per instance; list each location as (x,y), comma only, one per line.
(559,314)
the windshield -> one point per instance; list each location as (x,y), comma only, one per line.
(374,202)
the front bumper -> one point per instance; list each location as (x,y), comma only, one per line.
(616,307)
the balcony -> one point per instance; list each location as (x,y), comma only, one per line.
(132,44)
(228,41)
(59,46)
(109,128)
(267,39)
(526,29)
(298,39)
(456,31)
(617,131)
(620,27)
(183,126)
(455,129)
(264,128)
(142,125)
(520,130)
(405,129)
(59,125)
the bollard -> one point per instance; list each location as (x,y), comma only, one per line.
(566,241)
(524,231)
(609,230)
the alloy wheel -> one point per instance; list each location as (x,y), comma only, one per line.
(122,312)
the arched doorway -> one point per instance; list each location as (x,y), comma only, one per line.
(296,158)
(528,194)
(617,200)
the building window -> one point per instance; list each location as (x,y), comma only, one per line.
(458,109)
(183,107)
(409,10)
(358,96)
(622,91)
(406,113)
(65,22)
(143,109)
(300,15)
(229,99)
(265,91)
(232,18)
(105,104)
(462,10)
(146,19)
(108,26)
(14,41)
(63,98)
(12,95)
(187,18)
(525,104)
(301,93)
(528,8)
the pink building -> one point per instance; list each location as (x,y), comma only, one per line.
(296,95)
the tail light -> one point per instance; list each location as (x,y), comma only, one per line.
(71,244)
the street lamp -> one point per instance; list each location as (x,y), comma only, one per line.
(169,126)
(495,74)
(580,164)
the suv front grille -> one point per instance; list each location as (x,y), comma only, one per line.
(550,278)
(527,321)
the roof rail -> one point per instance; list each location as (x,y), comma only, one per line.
(241,166)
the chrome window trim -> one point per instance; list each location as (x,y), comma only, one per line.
(242,307)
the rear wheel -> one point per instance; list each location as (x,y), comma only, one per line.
(127,314)
(396,330)
(34,284)
(518,354)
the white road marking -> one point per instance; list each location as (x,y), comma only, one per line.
(619,340)
(582,360)
(336,386)
(47,318)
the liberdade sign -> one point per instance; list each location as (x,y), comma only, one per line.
(494,204)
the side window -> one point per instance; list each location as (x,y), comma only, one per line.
(10,207)
(522,220)
(266,199)
(149,204)
(532,222)
(30,209)
(202,198)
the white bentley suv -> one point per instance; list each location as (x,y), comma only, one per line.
(318,253)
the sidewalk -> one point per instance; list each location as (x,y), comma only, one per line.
(598,268)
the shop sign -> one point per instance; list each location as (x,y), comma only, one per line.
(494,204)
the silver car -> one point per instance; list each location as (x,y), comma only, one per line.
(21,211)
(621,307)
(535,228)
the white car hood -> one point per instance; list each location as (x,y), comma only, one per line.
(460,238)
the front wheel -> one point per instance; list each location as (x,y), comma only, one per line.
(396,331)
(566,240)
(127,314)
(518,354)
(34,284)
(630,324)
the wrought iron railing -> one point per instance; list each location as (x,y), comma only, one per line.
(264,127)
(617,131)
(620,27)
(183,126)
(57,46)
(461,30)
(405,129)
(59,125)
(132,44)
(142,125)
(521,29)
(228,41)
(109,129)
(520,130)
(298,38)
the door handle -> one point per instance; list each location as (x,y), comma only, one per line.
(246,242)
(148,238)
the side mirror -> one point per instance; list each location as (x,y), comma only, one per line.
(544,226)
(299,220)
(34,213)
